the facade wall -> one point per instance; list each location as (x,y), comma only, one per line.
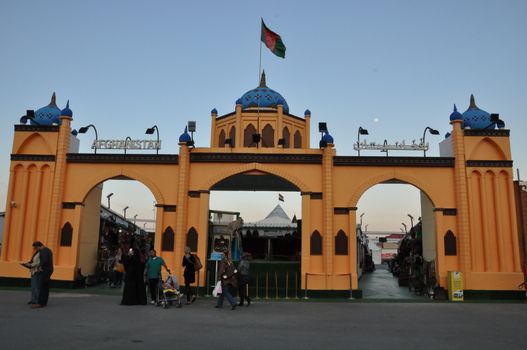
(474,201)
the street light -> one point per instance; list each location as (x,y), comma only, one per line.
(150,131)
(433,132)
(83,131)
(360,132)
(125,208)
(108,197)
(366,228)
(361,215)
(126,143)
(135,218)
(411,220)
(405,228)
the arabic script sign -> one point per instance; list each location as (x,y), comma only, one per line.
(383,147)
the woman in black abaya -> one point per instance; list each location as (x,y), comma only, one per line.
(134,292)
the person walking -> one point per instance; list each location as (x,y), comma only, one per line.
(134,291)
(34,267)
(189,263)
(227,273)
(243,278)
(46,270)
(153,274)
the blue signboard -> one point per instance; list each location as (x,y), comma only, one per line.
(217,256)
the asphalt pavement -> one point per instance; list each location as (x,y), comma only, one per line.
(77,320)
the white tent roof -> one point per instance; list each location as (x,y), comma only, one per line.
(276,218)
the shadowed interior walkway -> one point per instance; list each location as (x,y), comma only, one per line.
(381,284)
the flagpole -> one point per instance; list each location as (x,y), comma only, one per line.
(260,63)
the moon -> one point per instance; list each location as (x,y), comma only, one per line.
(375,120)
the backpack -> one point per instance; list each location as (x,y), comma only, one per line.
(197,263)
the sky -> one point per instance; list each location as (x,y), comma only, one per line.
(392,67)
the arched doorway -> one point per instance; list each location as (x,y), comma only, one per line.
(268,210)
(118,213)
(396,242)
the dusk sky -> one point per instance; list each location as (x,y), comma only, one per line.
(393,67)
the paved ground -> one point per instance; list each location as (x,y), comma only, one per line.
(90,321)
(381,284)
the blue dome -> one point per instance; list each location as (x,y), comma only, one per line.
(327,138)
(262,96)
(67,112)
(185,137)
(456,115)
(477,118)
(214,111)
(47,115)
(307,112)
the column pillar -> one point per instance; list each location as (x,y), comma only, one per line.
(182,202)
(306,237)
(57,191)
(460,174)
(327,197)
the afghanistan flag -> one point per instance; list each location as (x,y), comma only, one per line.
(273,41)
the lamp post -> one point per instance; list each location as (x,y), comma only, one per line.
(366,228)
(405,228)
(433,132)
(150,131)
(124,210)
(126,143)
(83,131)
(360,132)
(361,215)
(108,197)
(411,220)
(135,218)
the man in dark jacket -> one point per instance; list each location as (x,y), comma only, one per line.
(46,266)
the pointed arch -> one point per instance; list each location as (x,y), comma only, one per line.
(192,239)
(167,240)
(232,136)
(341,243)
(315,243)
(298,139)
(450,243)
(392,175)
(66,235)
(256,166)
(221,139)
(87,186)
(268,136)
(35,144)
(487,149)
(248,136)
(286,135)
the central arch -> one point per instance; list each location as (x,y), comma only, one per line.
(258,167)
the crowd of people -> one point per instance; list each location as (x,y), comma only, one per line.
(140,271)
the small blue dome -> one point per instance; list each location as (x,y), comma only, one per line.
(447,135)
(262,96)
(47,115)
(327,138)
(307,112)
(477,118)
(214,111)
(456,115)
(185,137)
(67,112)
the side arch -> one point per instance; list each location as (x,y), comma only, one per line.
(35,144)
(487,149)
(390,175)
(255,166)
(110,174)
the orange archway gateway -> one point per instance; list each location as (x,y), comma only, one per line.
(467,192)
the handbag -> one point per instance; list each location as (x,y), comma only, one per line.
(217,289)
(119,267)
(197,263)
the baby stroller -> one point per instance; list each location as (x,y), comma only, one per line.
(169,292)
